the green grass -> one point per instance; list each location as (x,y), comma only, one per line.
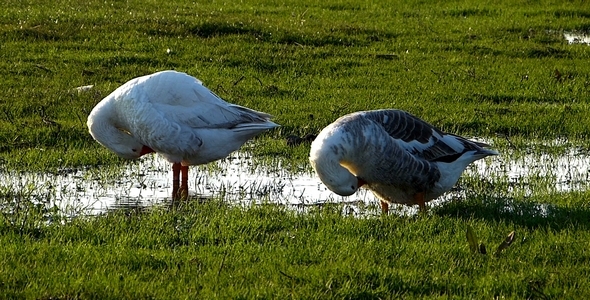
(494,69)
(469,67)
(215,251)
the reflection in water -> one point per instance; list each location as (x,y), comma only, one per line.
(576,38)
(238,180)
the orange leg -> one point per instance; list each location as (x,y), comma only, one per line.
(419,199)
(175,179)
(384,207)
(184,184)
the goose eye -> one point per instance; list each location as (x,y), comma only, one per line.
(134,150)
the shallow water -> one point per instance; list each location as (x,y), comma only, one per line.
(241,181)
(576,38)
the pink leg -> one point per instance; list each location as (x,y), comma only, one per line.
(175,180)
(419,199)
(184,185)
(384,207)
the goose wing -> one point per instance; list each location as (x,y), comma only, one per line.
(395,166)
(381,160)
(421,139)
(168,108)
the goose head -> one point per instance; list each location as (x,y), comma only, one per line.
(123,144)
(128,148)
(105,130)
(330,159)
(336,177)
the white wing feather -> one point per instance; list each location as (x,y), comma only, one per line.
(167,107)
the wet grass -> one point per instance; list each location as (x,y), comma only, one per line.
(471,68)
(494,70)
(213,250)
(217,249)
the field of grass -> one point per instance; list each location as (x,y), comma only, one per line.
(213,250)
(490,69)
(470,67)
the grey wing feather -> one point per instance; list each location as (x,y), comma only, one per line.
(409,171)
(391,162)
(422,139)
(404,126)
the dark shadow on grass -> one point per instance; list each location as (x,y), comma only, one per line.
(43,32)
(523,213)
(571,13)
(337,36)
(211,29)
(472,12)
(344,7)
(506,98)
(542,52)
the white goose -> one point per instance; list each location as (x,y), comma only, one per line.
(173,114)
(399,157)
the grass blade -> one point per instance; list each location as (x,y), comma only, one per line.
(472,239)
(505,244)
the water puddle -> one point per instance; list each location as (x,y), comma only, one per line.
(238,179)
(576,38)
